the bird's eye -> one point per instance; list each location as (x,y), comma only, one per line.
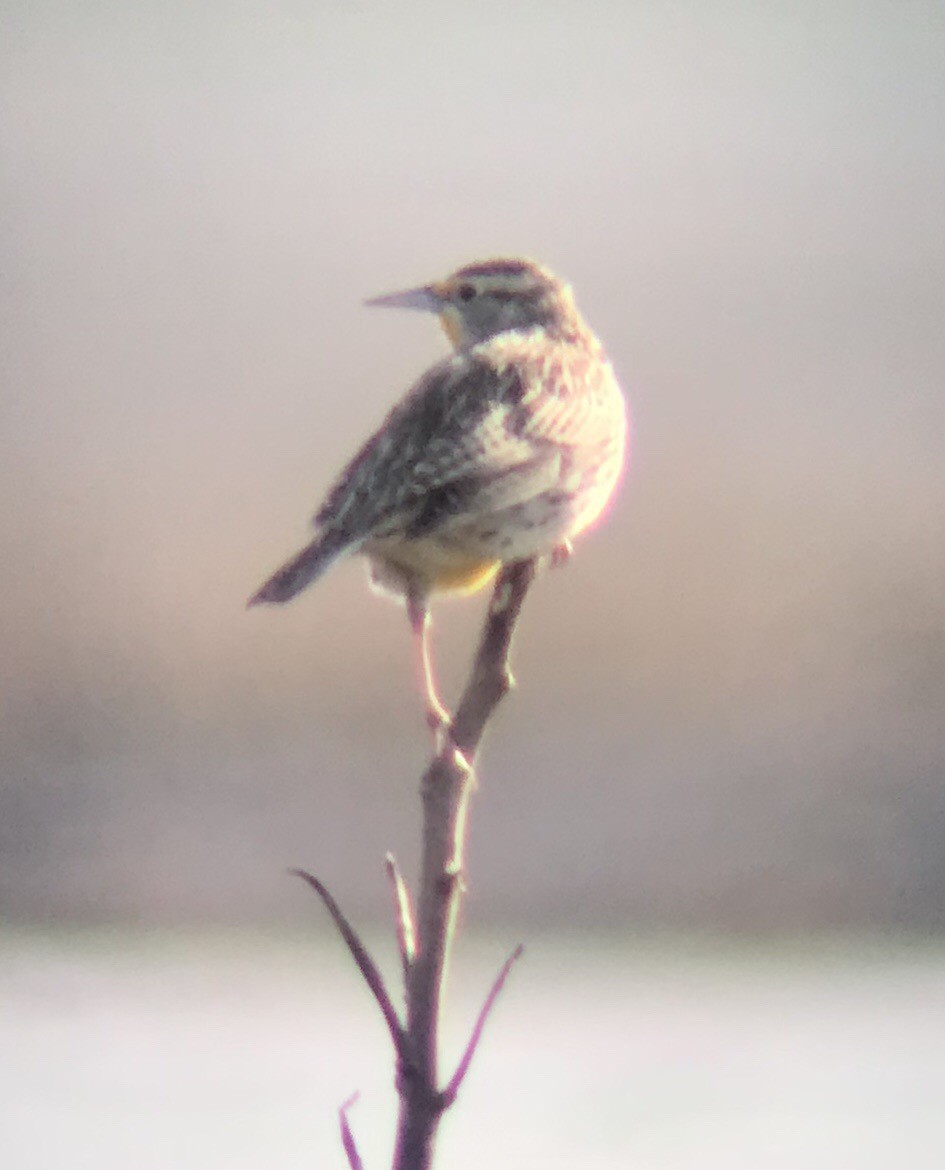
(466,292)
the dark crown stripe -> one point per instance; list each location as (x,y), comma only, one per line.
(499,268)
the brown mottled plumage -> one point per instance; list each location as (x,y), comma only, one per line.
(502,452)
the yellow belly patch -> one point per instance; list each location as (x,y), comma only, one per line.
(399,565)
(465,578)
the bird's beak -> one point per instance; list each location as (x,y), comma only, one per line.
(426,299)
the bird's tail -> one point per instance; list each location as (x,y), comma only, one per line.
(300,571)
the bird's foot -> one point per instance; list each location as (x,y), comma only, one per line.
(561,554)
(438,719)
(440,723)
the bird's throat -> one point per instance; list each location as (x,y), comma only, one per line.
(453,328)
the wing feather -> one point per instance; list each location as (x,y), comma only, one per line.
(482,430)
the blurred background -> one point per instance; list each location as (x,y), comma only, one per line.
(730,717)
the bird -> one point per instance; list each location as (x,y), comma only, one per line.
(505,450)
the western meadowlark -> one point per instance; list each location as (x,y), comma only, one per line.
(502,452)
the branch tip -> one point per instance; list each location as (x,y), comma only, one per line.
(347,1137)
(403,915)
(448,1096)
(362,958)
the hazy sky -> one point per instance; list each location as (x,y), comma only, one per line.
(731,702)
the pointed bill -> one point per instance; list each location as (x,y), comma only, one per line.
(426,299)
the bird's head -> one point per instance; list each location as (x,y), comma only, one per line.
(482,300)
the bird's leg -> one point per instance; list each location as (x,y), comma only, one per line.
(438,718)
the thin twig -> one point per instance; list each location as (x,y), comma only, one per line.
(403,915)
(365,963)
(448,1095)
(347,1137)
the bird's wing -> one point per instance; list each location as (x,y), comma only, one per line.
(471,433)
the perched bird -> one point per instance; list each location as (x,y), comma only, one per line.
(504,451)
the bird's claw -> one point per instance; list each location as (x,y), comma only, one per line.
(440,724)
(561,554)
(439,720)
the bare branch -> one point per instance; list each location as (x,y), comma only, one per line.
(425,943)
(448,1095)
(491,677)
(403,915)
(365,963)
(347,1137)
(445,789)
